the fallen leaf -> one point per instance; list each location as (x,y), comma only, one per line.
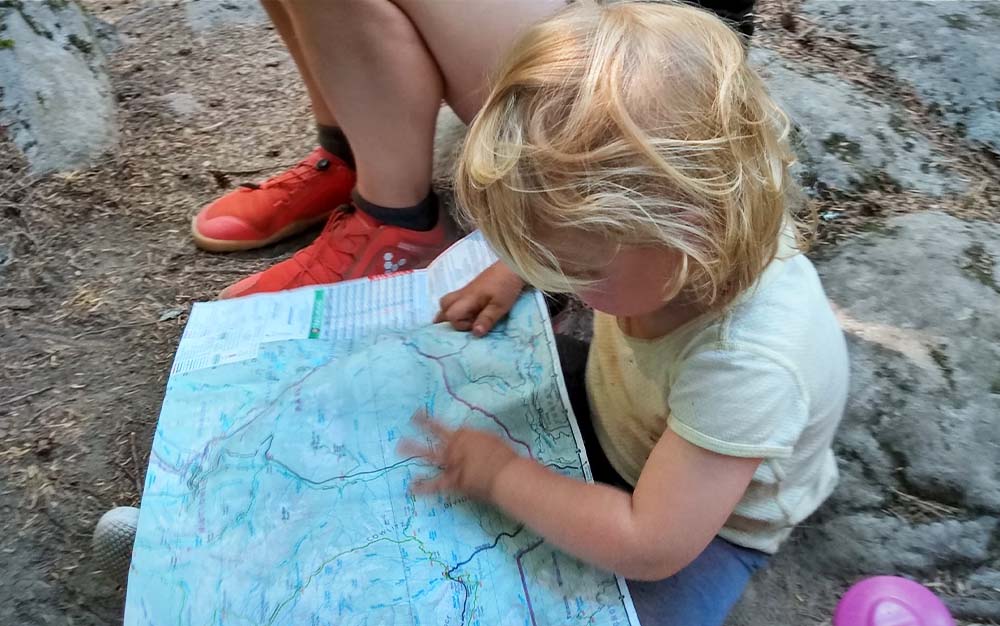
(170,314)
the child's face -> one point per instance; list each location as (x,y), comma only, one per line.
(629,283)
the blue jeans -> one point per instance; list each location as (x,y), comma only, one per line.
(701,594)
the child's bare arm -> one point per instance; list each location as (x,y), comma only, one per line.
(683,498)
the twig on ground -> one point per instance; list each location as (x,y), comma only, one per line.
(211,127)
(25,396)
(248,269)
(933,507)
(20,183)
(41,412)
(135,462)
(98,331)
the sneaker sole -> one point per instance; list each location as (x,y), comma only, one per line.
(236,245)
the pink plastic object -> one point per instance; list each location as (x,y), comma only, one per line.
(890,601)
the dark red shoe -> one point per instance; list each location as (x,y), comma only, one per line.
(352,245)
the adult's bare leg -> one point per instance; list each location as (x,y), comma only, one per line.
(385,65)
(261,214)
(283,24)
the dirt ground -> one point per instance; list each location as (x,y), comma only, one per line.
(97,272)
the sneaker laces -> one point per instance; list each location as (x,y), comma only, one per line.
(336,238)
(302,171)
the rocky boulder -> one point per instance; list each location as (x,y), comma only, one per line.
(206,15)
(56,102)
(946,51)
(919,448)
(846,139)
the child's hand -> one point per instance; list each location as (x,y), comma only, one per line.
(469,459)
(483,302)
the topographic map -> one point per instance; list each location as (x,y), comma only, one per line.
(275,494)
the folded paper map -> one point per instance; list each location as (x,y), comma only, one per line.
(275,493)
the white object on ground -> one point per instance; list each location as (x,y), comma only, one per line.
(113,538)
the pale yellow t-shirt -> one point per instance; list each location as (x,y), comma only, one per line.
(766,379)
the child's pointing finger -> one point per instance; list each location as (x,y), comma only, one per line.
(432,426)
(412,448)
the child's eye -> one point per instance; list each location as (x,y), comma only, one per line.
(587,275)
(586,272)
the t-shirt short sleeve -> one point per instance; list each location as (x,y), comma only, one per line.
(738,402)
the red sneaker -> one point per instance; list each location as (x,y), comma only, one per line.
(258,215)
(352,245)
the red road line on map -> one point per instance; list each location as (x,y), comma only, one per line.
(474,407)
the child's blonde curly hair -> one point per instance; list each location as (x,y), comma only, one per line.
(639,122)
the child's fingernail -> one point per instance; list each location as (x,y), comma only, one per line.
(479,331)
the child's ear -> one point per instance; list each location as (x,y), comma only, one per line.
(676,280)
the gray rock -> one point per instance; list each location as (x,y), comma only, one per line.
(856,490)
(925,360)
(919,448)
(844,138)
(182,104)
(205,15)
(55,98)
(985,579)
(866,544)
(979,597)
(947,51)
(978,609)
(448,139)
